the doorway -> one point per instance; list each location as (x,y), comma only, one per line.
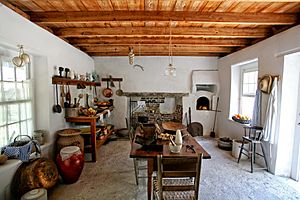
(295,171)
(292,68)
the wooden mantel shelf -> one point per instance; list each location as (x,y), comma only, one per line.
(68,81)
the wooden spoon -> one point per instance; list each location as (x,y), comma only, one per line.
(80,96)
(62,95)
(68,95)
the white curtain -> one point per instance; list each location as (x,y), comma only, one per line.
(256,114)
(271,114)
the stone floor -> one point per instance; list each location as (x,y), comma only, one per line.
(112,178)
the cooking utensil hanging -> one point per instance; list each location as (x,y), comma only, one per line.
(56,108)
(67,104)
(80,96)
(119,92)
(62,95)
(95,99)
(107,92)
(112,84)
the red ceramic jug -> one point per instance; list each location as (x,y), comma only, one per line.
(70,163)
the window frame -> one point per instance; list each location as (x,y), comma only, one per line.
(246,68)
(236,85)
(30,118)
(243,71)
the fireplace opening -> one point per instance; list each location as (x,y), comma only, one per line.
(202,103)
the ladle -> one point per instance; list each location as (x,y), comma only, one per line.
(95,99)
(119,92)
(57,107)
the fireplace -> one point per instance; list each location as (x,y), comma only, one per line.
(202,103)
(154,107)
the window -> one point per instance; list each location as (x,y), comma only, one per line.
(16,116)
(248,86)
(243,87)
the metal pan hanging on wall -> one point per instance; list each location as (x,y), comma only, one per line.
(107,92)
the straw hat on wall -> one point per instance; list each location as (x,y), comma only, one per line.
(265,83)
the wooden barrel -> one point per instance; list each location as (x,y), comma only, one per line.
(37,173)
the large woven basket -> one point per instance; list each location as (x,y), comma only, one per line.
(69,137)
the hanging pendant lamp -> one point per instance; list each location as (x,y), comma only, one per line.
(22,59)
(131,56)
(170,70)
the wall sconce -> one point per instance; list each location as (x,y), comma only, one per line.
(22,59)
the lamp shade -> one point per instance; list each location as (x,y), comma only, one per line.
(17,61)
(25,58)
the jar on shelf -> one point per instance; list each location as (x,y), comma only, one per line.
(69,137)
(40,135)
(70,162)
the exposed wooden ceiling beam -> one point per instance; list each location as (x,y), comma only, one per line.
(158,16)
(163,31)
(157,54)
(161,49)
(157,41)
(14,8)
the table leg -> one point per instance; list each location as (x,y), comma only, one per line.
(150,163)
(93,140)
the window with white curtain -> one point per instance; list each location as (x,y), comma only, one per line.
(16,113)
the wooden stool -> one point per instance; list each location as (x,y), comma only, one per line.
(253,135)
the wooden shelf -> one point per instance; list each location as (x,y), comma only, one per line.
(99,143)
(113,79)
(67,81)
(210,110)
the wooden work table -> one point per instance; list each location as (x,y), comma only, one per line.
(138,152)
(92,120)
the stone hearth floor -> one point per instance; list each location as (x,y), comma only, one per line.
(112,178)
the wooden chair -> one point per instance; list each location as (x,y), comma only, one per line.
(253,135)
(177,178)
(139,164)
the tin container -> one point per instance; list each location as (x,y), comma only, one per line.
(71,112)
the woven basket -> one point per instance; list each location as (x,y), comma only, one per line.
(69,137)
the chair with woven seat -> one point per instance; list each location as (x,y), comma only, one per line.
(139,164)
(253,135)
(177,178)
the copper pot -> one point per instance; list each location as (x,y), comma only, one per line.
(107,92)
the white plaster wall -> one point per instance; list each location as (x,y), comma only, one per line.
(152,79)
(270,60)
(48,51)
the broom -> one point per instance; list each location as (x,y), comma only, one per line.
(212,133)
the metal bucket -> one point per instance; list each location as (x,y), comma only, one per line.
(71,112)
(236,147)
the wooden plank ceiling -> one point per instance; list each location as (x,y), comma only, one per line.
(160,27)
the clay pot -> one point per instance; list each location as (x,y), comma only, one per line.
(70,162)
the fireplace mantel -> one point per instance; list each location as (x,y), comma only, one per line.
(154,94)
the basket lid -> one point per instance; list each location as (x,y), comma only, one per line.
(69,132)
(35,194)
